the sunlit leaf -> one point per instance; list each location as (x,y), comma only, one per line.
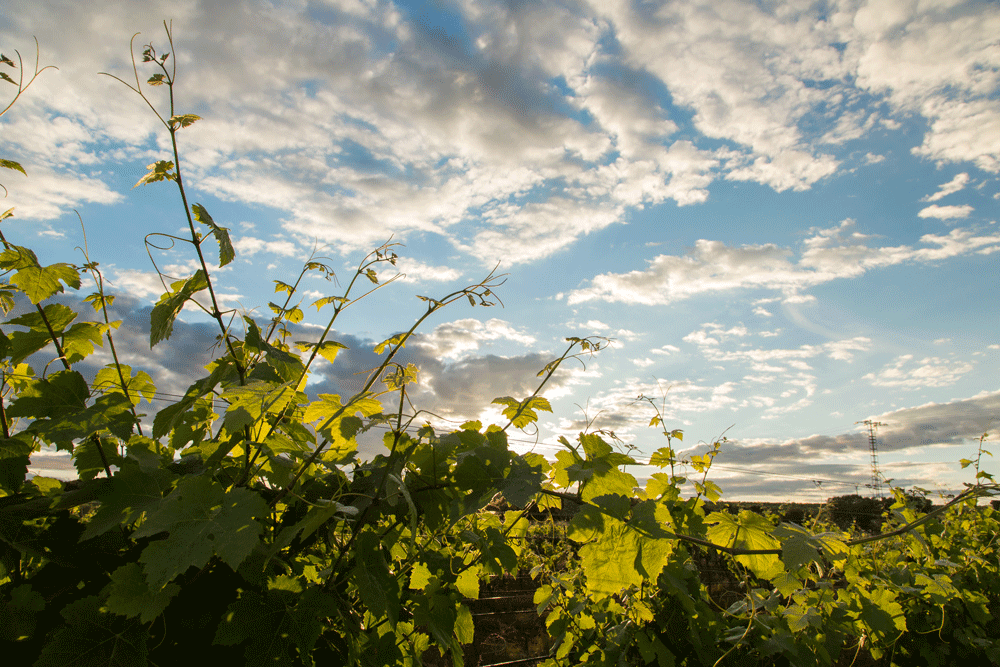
(184,120)
(10,164)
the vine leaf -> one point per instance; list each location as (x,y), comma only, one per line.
(328,349)
(523,412)
(10,164)
(326,300)
(183,120)
(289,366)
(161,170)
(274,623)
(25,343)
(751,531)
(161,320)
(92,638)
(133,490)
(139,386)
(111,413)
(87,457)
(379,590)
(36,281)
(202,520)
(226,251)
(18,615)
(129,594)
(399,339)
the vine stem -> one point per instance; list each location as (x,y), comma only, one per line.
(3,417)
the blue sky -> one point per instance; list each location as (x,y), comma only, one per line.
(783,213)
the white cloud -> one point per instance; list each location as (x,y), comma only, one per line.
(47,194)
(248,246)
(905,373)
(416,271)
(454,340)
(952,186)
(714,267)
(945,212)
(841,350)
(367,123)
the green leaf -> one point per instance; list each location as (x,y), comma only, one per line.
(663,457)
(165,311)
(78,343)
(183,120)
(133,490)
(465,630)
(274,625)
(162,170)
(17,616)
(339,425)
(171,416)
(378,589)
(157,79)
(319,303)
(881,613)
(91,638)
(129,594)
(25,343)
(14,461)
(398,339)
(280,286)
(289,366)
(328,349)
(248,402)
(137,386)
(226,251)
(87,457)
(6,300)
(420,577)
(798,547)
(59,393)
(36,281)
(467,583)
(202,520)
(10,164)
(751,531)
(611,490)
(523,412)
(609,560)
(100,302)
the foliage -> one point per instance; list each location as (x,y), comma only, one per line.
(239,525)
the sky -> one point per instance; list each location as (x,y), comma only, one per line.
(782,213)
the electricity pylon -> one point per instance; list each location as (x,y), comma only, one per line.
(876,476)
